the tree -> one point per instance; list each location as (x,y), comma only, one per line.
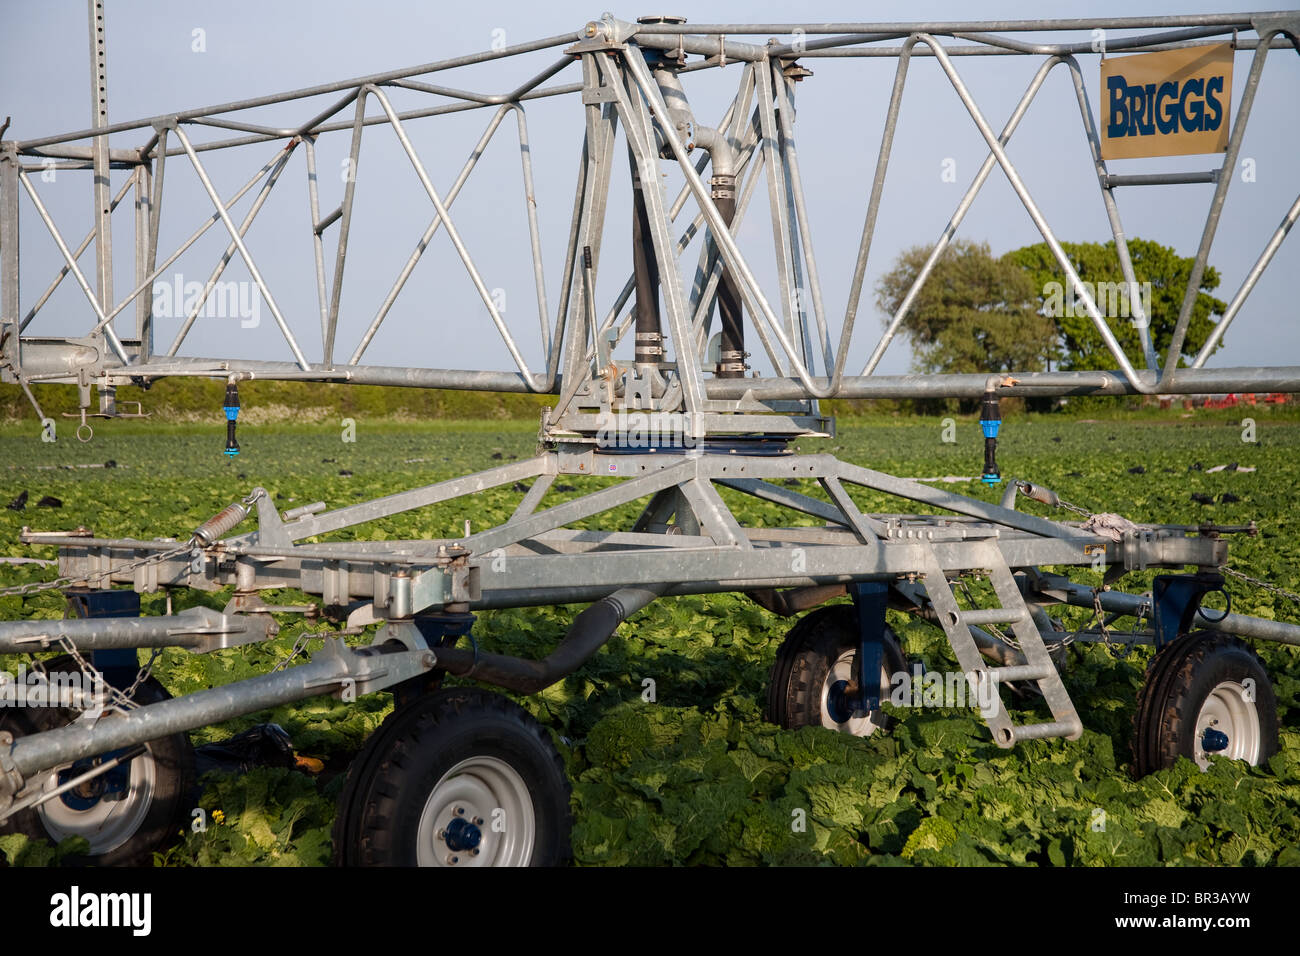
(975,312)
(1098,265)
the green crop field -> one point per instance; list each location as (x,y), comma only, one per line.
(697,776)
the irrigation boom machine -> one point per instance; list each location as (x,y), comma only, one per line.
(648,395)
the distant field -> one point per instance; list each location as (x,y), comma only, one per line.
(697,776)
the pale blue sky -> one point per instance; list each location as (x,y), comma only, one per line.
(260,47)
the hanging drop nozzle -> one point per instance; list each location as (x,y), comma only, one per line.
(990,422)
(231,406)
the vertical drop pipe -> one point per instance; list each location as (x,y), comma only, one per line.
(990,422)
(649,330)
(722,157)
(731,356)
(231,408)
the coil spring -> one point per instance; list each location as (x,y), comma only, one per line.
(220,523)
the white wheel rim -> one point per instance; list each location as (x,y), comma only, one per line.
(862,725)
(1231,711)
(489,795)
(113,819)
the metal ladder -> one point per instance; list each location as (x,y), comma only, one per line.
(1038,666)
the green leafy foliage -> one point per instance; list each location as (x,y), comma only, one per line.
(696,776)
(1082,346)
(18,849)
(974,313)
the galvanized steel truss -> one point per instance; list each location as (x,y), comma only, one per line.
(619,86)
(686,539)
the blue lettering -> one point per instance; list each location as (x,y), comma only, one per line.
(1165,108)
(1117,126)
(1212,86)
(1194,121)
(1136,110)
(1166,116)
(1146,126)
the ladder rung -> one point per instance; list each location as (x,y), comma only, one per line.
(1054,728)
(1022,672)
(994,615)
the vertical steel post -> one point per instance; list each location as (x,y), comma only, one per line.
(345,227)
(9,331)
(649,331)
(143,264)
(785,250)
(588,228)
(103,199)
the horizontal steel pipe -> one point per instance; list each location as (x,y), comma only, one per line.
(337,667)
(1112,180)
(1242,21)
(108,633)
(55,363)
(31,755)
(1188,382)
(704,46)
(1239,624)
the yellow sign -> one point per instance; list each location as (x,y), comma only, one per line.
(1170,103)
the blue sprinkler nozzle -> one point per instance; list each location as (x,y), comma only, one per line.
(990,422)
(231,407)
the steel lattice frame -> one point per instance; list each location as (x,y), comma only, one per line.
(686,540)
(616,88)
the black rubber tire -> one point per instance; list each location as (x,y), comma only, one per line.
(1178,681)
(1154,690)
(805,658)
(361,775)
(174,781)
(412,689)
(391,779)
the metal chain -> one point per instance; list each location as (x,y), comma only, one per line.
(1098,617)
(1075,508)
(125,699)
(1261,584)
(120,699)
(299,646)
(141,676)
(37,587)
(1230,572)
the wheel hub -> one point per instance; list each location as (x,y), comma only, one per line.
(461,835)
(838,711)
(107,810)
(838,707)
(479,814)
(112,784)
(1228,726)
(1212,741)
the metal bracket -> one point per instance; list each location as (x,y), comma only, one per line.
(368,670)
(596,95)
(1288,23)
(1175,601)
(862,696)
